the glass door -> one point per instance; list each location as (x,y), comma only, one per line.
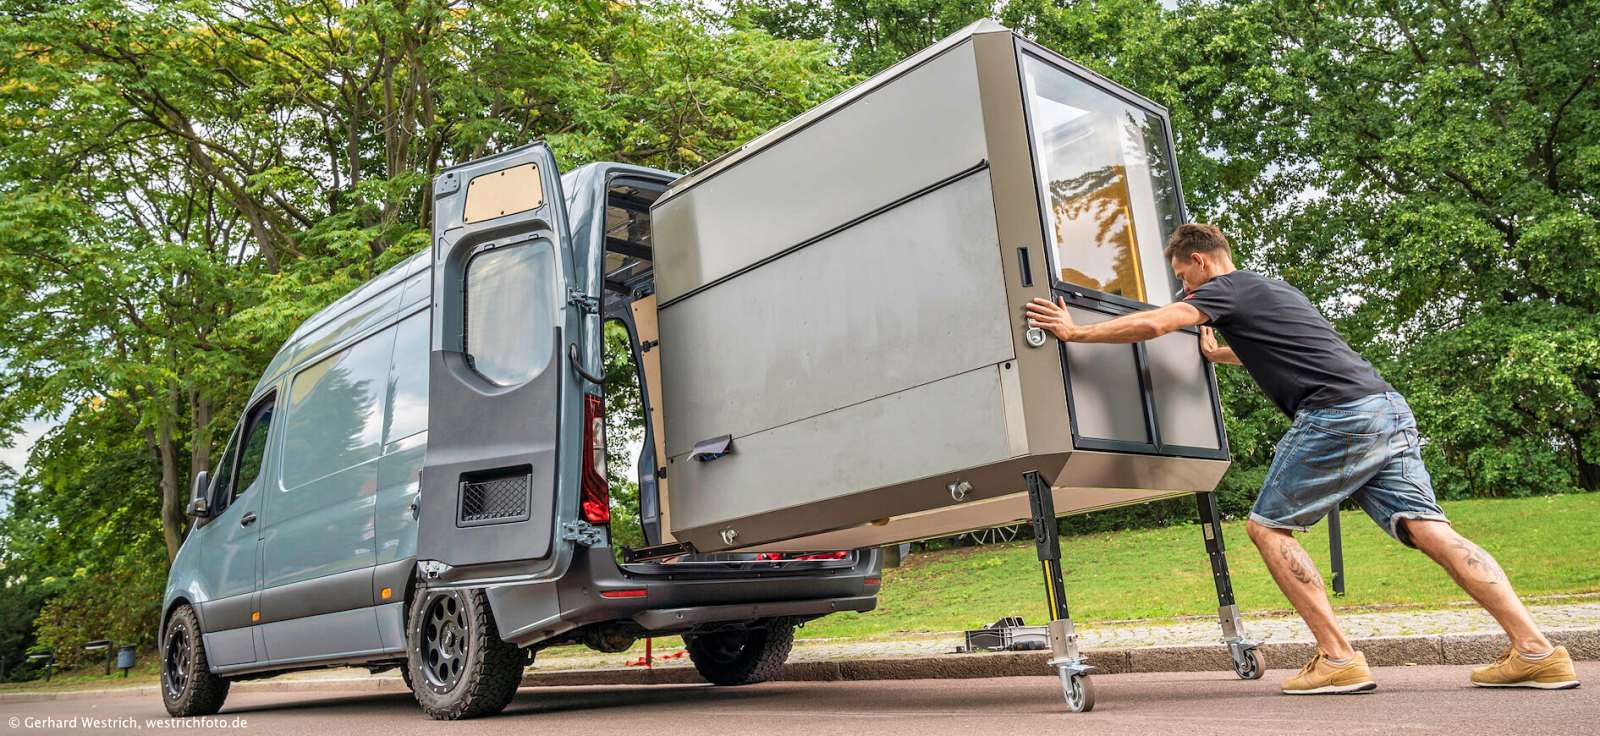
(1110,197)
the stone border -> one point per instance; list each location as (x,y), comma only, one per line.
(1397,651)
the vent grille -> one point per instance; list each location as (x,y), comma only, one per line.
(498,500)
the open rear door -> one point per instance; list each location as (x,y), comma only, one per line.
(497,382)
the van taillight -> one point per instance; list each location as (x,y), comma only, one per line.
(596,504)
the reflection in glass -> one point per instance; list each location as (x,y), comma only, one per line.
(335,414)
(255,449)
(510,312)
(224,472)
(408,381)
(1107,185)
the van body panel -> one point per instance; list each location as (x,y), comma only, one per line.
(338,634)
(230,648)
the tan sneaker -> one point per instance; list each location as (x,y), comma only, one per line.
(1511,670)
(1320,677)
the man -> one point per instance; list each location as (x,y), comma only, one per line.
(1352,435)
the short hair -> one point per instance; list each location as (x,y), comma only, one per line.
(1196,237)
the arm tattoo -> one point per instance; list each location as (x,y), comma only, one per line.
(1479,562)
(1300,564)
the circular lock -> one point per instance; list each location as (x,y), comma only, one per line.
(1035,337)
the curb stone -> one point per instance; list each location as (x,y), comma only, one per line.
(1395,651)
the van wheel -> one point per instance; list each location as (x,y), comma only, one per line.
(458,665)
(744,656)
(187,686)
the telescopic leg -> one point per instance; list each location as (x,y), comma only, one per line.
(1247,660)
(1065,658)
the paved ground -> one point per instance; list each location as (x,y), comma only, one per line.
(1412,700)
(1574,614)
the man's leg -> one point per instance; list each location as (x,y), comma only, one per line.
(1481,577)
(1300,582)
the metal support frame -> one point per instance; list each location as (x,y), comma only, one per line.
(1336,551)
(1240,647)
(1068,662)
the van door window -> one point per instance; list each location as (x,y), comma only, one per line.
(254,448)
(510,311)
(221,487)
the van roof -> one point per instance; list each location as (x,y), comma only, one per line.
(383,296)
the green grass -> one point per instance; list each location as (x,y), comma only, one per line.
(92,677)
(1547,545)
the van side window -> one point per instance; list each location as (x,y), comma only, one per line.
(407,412)
(335,411)
(254,448)
(510,311)
(220,493)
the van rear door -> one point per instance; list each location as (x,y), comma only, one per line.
(499,388)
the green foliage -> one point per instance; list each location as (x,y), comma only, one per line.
(182,184)
(624,431)
(1543,543)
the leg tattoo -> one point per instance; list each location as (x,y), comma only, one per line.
(1300,564)
(1479,563)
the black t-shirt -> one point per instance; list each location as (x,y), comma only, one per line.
(1284,342)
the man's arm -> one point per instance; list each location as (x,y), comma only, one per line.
(1136,327)
(1214,352)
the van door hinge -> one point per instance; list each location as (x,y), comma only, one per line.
(584,302)
(583,533)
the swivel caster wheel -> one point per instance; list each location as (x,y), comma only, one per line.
(1078,691)
(1251,665)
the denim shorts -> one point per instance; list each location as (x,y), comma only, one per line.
(1366,448)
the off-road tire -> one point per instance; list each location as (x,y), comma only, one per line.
(742,657)
(194,691)
(485,676)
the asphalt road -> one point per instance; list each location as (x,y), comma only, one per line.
(1412,700)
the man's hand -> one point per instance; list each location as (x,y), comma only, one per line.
(1052,317)
(1214,352)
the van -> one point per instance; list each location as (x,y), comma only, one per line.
(418,479)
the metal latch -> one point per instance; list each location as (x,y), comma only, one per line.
(582,532)
(585,303)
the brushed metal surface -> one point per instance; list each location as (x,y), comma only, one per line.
(940,427)
(911,296)
(910,132)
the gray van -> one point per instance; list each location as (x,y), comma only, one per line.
(418,480)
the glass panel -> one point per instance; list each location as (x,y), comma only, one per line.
(335,411)
(1182,391)
(408,381)
(1107,401)
(255,450)
(224,471)
(510,306)
(1106,184)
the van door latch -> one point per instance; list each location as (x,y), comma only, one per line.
(582,532)
(585,303)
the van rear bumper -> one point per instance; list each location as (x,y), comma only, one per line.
(595,591)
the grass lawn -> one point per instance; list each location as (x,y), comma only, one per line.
(1547,545)
(92,677)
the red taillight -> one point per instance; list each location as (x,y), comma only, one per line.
(596,504)
(628,593)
